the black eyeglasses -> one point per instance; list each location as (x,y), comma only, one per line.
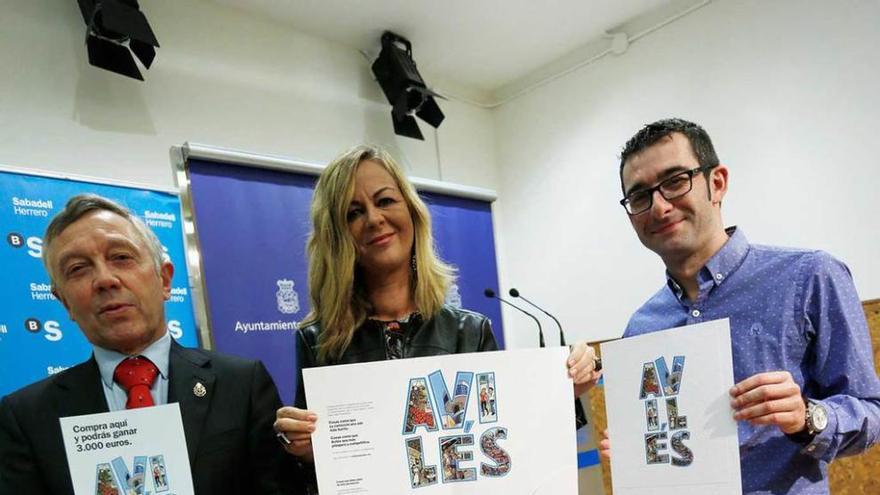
(670,188)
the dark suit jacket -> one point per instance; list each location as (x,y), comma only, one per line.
(229,435)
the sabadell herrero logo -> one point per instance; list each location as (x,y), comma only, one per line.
(158,219)
(41,291)
(34,244)
(30,207)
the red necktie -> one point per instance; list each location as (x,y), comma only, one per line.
(136,376)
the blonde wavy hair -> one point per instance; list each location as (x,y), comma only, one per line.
(336,291)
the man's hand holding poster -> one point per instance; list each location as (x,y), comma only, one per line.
(463,423)
(135,451)
(669,417)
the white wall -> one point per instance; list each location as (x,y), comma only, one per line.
(220,78)
(788,91)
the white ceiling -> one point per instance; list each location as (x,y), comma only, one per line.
(479,44)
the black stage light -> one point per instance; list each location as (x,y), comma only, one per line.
(396,72)
(116,29)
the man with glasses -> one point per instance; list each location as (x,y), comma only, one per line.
(806,388)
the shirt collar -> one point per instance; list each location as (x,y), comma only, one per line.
(157,352)
(720,266)
(728,258)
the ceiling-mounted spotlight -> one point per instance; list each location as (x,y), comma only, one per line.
(115,29)
(396,72)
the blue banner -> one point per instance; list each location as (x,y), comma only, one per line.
(37,338)
(252,225)
(465,238)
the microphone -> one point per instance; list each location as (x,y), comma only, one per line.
(579,412)
(515,293)
(491,295)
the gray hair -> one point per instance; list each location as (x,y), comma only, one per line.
(82,204)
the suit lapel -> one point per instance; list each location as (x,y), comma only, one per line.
(76,391)
(187,370)
(79,391)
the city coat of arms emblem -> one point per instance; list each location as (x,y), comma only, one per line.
(453,297)
(288,299)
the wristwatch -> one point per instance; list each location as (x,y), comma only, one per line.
(816,417)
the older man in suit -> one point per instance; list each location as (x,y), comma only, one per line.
(110,272)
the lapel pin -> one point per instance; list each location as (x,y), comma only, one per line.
(199,390)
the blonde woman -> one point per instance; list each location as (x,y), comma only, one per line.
(377,286)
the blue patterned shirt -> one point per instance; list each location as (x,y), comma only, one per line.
(794,310)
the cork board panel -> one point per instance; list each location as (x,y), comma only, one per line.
(600,423)
(858,475)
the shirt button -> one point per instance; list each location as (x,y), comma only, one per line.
(719,276)
(695,313)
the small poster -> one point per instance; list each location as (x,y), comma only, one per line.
(669,416)
(490,422)
(133,452)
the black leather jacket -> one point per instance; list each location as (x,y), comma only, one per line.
(450,331)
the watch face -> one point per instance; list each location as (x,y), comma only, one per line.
(819,417)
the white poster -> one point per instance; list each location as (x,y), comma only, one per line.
(669,416)
(490,422)
(132,452)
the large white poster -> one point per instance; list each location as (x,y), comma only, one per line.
(133,452)
(669,416)
(492,422)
